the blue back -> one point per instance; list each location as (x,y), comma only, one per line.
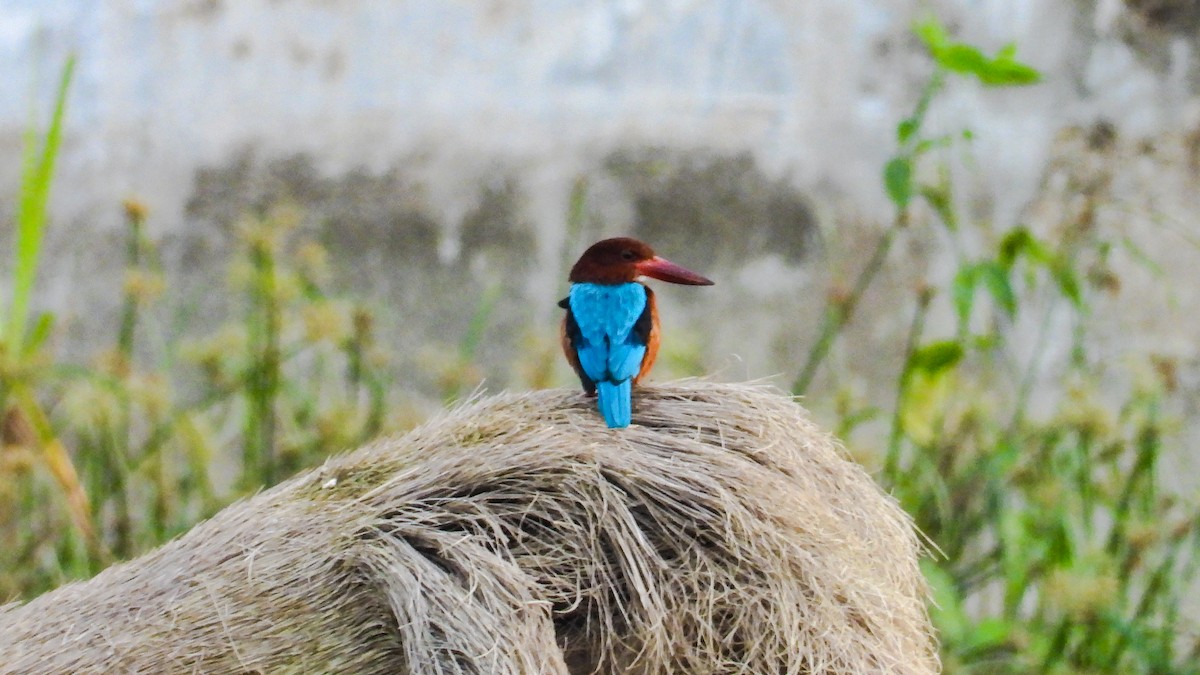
(610,353)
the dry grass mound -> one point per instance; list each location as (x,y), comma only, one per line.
(722,533)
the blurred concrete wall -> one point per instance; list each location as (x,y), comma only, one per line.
(436,145)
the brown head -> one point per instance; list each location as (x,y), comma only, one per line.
(624,259)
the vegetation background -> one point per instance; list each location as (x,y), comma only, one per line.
(1061,542)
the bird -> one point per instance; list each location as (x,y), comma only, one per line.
(610,331)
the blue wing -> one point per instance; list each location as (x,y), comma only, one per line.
(610,350)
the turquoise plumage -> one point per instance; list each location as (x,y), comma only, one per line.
(609,351)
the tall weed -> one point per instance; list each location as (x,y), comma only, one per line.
(1058,549)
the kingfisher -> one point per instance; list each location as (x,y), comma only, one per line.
(610,331)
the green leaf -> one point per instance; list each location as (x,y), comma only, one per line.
(41,330)
(938,198)
(983,342)
(937,357)
(932,33)
(923,406)
(905,130)
(1009,73)
(1067,281)
(1012,245)
(995,277)
(1002,70)
(897,178)
(931,143)
(961,58)
(1020,241)
(962,289)
(36,179)
(1014,554)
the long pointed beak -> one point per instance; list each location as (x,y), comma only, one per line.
(665,270)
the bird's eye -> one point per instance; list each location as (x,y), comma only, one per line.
(627,255)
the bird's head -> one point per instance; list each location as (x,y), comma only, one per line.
(624,259)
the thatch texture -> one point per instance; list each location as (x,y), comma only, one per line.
(722,533)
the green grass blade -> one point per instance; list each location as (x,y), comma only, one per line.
(28,166)
(31,215)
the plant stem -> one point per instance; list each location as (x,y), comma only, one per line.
(914,336)
(840,311)
(262,386)
(129,313)
(121,437)
(1032,371)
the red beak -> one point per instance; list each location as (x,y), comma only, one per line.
(661,268)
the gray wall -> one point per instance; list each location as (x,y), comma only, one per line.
(435,146)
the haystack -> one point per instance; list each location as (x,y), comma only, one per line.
(722,533)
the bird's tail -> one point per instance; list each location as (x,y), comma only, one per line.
(615,405)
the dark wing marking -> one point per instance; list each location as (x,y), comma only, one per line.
(571,339)
(645,323)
